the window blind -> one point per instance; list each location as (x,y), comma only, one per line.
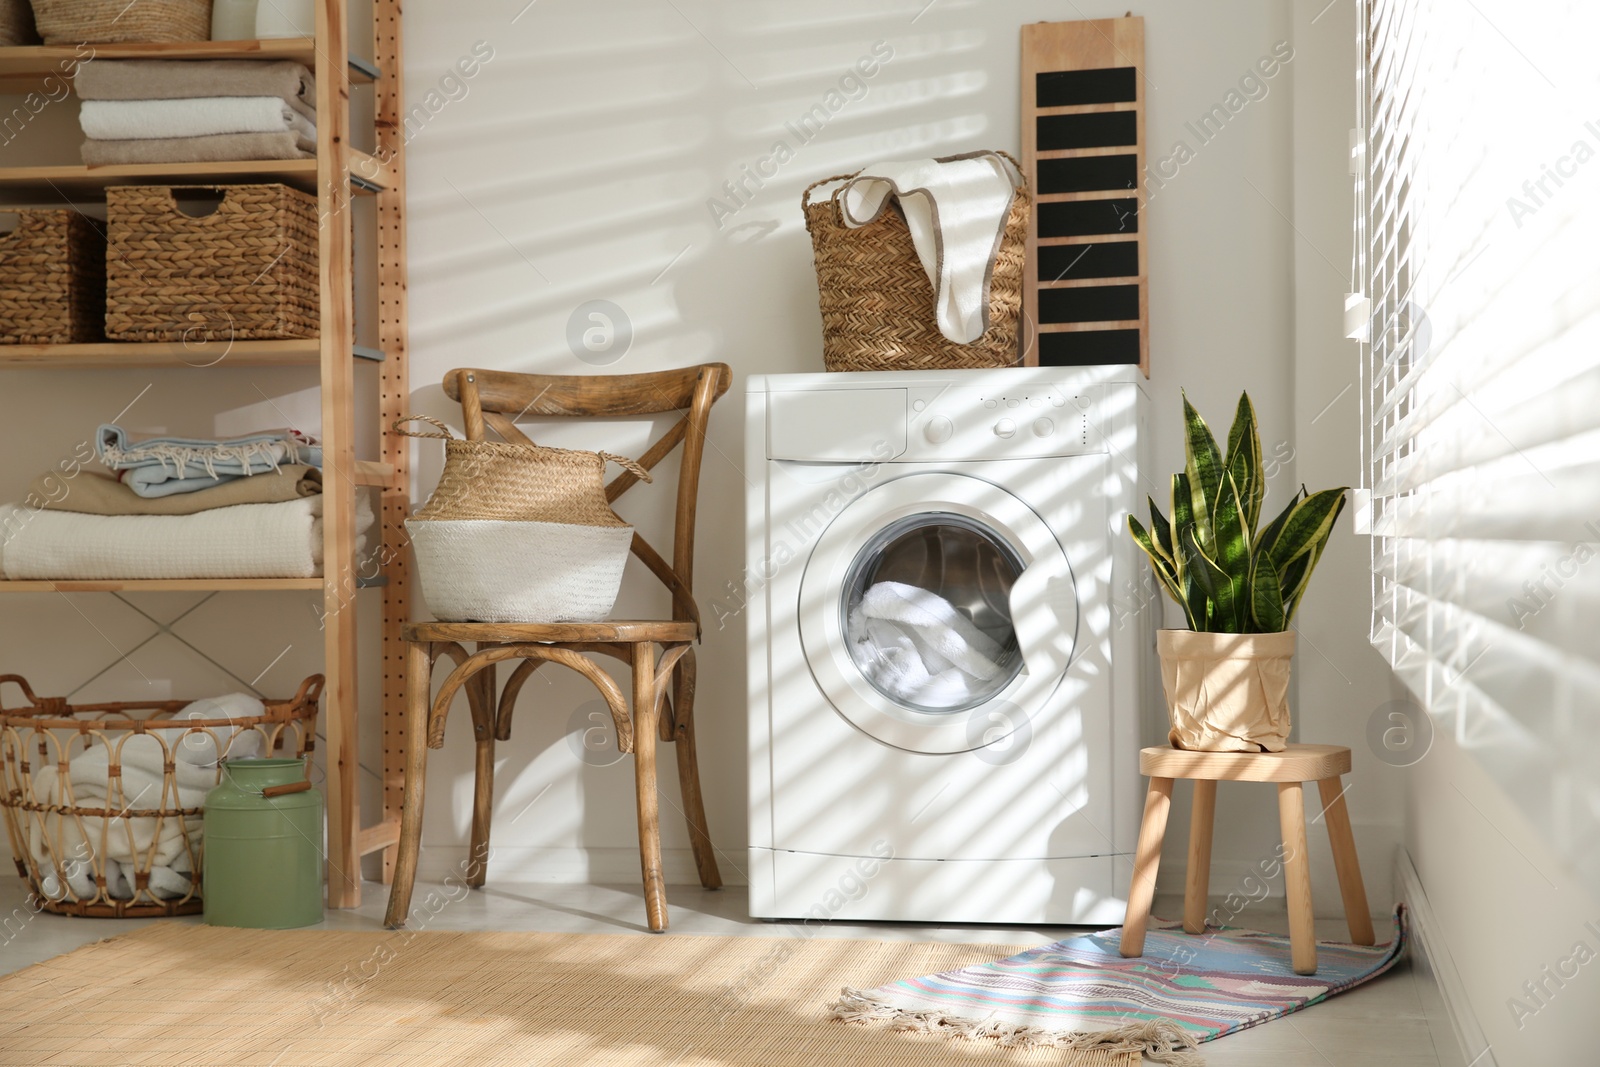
(1477,241)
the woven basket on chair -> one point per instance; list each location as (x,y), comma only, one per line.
(877,302)
(247,270)
(52,279)
(16,24)
(519,533)
(106,21)
(91,795)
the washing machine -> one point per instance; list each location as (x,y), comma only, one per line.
(951,640)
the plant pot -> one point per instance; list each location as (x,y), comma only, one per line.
(1227,692)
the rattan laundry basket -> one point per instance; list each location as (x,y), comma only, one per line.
(877,302)
(106,21)
(69,844)
(247,270)
(519,533)
(52,279)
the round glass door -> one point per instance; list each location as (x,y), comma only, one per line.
(926,611)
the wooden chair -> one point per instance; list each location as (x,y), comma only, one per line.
(1290,768)
(495,399)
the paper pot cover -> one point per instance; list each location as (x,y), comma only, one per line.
(1227,692)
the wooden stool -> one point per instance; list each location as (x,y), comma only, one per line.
(1322,764)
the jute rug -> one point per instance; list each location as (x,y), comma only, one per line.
(181,995)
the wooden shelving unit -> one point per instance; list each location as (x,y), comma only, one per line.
(338,173)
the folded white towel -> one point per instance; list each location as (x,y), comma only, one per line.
(244,541)
(956,211)
(63,846)
(123,120)
(914,645)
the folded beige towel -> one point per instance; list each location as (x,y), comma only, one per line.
(91,493)
(217,148)
(176,79)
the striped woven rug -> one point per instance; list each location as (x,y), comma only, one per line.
(1081,993)
(176,994)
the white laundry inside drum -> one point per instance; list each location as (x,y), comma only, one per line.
(927,612)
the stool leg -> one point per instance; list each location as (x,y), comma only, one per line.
(1198,884)
(1356,913)
(1297,877)
(1157,803)
(419,666)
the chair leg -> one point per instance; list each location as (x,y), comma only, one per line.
(1198,883)
(418,671)
(694,810)
(1356,913)
(644,777)
(480,695)
(1157,803)
(1297,877)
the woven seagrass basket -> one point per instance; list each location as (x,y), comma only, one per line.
(16,24)
(519,532)
(52,279)
(92,850)
(106,21)
(877,302)
(245,271)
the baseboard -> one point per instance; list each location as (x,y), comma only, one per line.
(597,866)
(1432,962)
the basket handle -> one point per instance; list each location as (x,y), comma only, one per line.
(446,435)
(629,465)
(28,691)
(1022,177)
(284,790)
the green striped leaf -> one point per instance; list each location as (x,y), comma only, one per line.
(1243,461)
(1161,527)
(1266,599)
(1232,550)
(1212,580)
(1182,512)
(1268,537)
(1310,522)
(1203,466)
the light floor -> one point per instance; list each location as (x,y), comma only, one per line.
(1380,1023)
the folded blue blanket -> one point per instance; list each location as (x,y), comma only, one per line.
(163,466)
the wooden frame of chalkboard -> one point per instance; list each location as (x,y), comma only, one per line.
(1085,297)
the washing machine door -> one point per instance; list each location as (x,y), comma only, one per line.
(938,613)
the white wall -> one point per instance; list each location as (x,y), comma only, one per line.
(578,165)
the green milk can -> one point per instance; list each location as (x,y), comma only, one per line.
(263,846)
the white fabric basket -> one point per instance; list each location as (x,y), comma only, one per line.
(494,570)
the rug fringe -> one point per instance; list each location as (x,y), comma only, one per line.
(1157,1040)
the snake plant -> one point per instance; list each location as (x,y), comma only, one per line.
(1227,576)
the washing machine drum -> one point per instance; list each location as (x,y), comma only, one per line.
(938,613)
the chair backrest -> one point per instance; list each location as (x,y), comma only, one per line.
(491,398)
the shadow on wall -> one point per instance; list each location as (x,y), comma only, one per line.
(616,190)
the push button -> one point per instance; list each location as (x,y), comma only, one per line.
(1043,428)
(1005,428)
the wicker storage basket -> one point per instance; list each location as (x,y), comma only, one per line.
(519,533)
(106,21)
(52,279)
(131,849)
(877,302)
(16,24)
(246,271)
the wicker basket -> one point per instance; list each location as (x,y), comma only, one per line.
(877,302)
(16,24)
(70,847)
(245,271)
(106,21)
(52,279)
(519,533)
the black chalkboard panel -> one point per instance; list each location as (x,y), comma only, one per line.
(1086,348)
(1081,218)
(1112,259)
(1086,174)
(1068,88)
(1096,303)
(1096,129)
